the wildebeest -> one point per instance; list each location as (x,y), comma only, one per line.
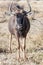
(19,25)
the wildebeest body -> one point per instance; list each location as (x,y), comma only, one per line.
(20,24)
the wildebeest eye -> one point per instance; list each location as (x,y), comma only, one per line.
(24,13)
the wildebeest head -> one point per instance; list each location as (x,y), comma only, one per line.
(20,13)
(16,8)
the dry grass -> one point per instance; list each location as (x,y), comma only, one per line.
(34,40)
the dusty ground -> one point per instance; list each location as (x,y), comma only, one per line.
(34,40)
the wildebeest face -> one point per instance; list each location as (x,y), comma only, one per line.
(20,18)
(19,21)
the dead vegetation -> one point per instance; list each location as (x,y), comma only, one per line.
(34,41)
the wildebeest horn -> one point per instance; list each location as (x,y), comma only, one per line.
(13,7)
(10,10)
(29,6)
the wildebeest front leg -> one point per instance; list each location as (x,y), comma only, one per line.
(19,48)
(10,43)
(25,48)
